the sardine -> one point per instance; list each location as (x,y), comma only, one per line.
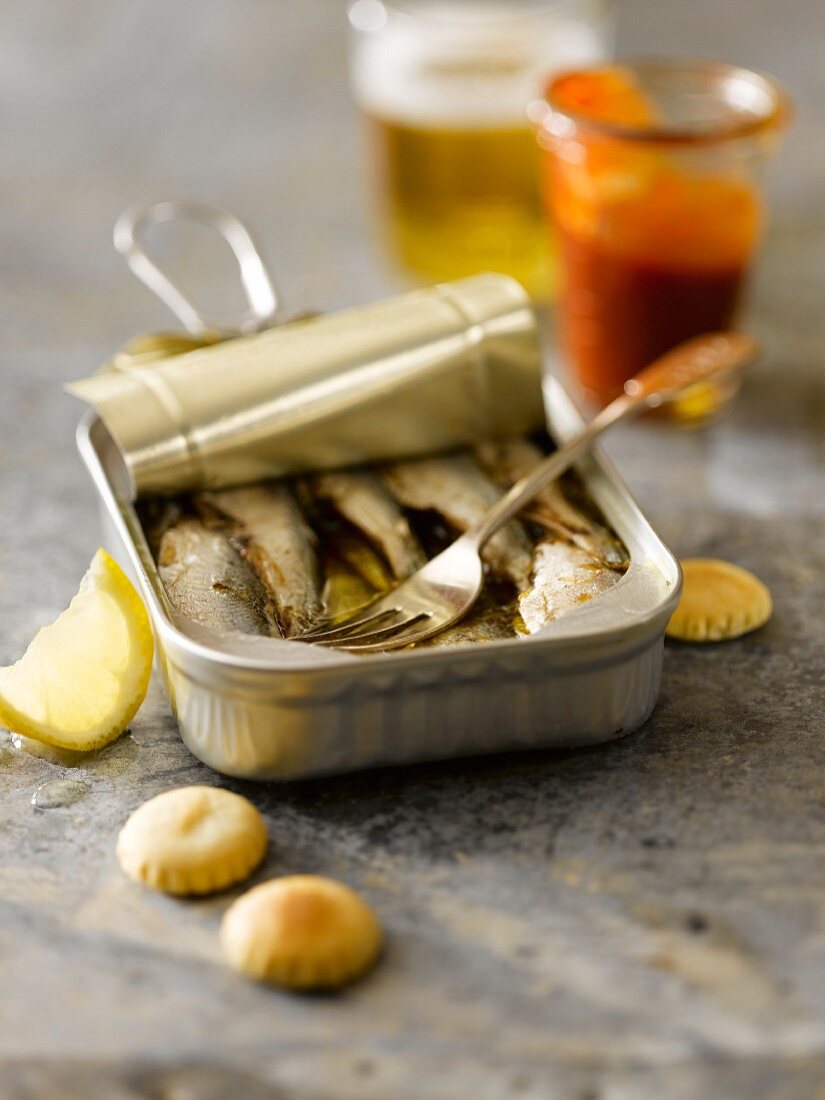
(488,621)
(267,525)
(510,460)
(458,489)
(207,582)
(363,500)
(564,577)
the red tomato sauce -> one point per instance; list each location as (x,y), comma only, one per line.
(619,313)
(655,241)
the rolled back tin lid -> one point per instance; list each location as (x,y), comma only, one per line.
(421,372)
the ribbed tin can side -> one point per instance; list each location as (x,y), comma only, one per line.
(424,715)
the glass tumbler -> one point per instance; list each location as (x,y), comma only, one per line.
(653,183)
(444,88)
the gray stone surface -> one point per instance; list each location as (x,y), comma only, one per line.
(643,920)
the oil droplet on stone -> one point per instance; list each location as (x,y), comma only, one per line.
(58,792)
(64,758)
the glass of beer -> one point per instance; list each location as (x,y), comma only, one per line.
(445,87)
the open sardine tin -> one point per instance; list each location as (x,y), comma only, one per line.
(270,709)
(415,374)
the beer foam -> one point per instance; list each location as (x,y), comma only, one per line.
(475,66)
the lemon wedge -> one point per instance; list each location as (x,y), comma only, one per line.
(82,679)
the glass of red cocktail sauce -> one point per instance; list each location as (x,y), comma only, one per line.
(653,182)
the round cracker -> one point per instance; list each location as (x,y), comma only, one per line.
(302,932)
(193,840)
(719,601)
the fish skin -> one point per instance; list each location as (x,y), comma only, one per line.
(564,577)
(207,582)
(457,488)
(486,622)
(509,460)
(267,525)
(362,498)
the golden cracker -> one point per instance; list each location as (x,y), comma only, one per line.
(302,932)
(719,601)
(193,840)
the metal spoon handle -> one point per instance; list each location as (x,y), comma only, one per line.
(697,360)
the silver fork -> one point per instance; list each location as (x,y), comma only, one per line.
(445,589)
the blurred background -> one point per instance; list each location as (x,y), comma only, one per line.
(247,105)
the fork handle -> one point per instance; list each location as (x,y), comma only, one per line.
(552,467)
(697,360)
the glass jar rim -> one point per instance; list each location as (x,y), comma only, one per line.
(777,114)
(372,15)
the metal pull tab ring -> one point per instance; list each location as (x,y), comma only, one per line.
(257,284)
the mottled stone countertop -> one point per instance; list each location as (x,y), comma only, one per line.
(645,919)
